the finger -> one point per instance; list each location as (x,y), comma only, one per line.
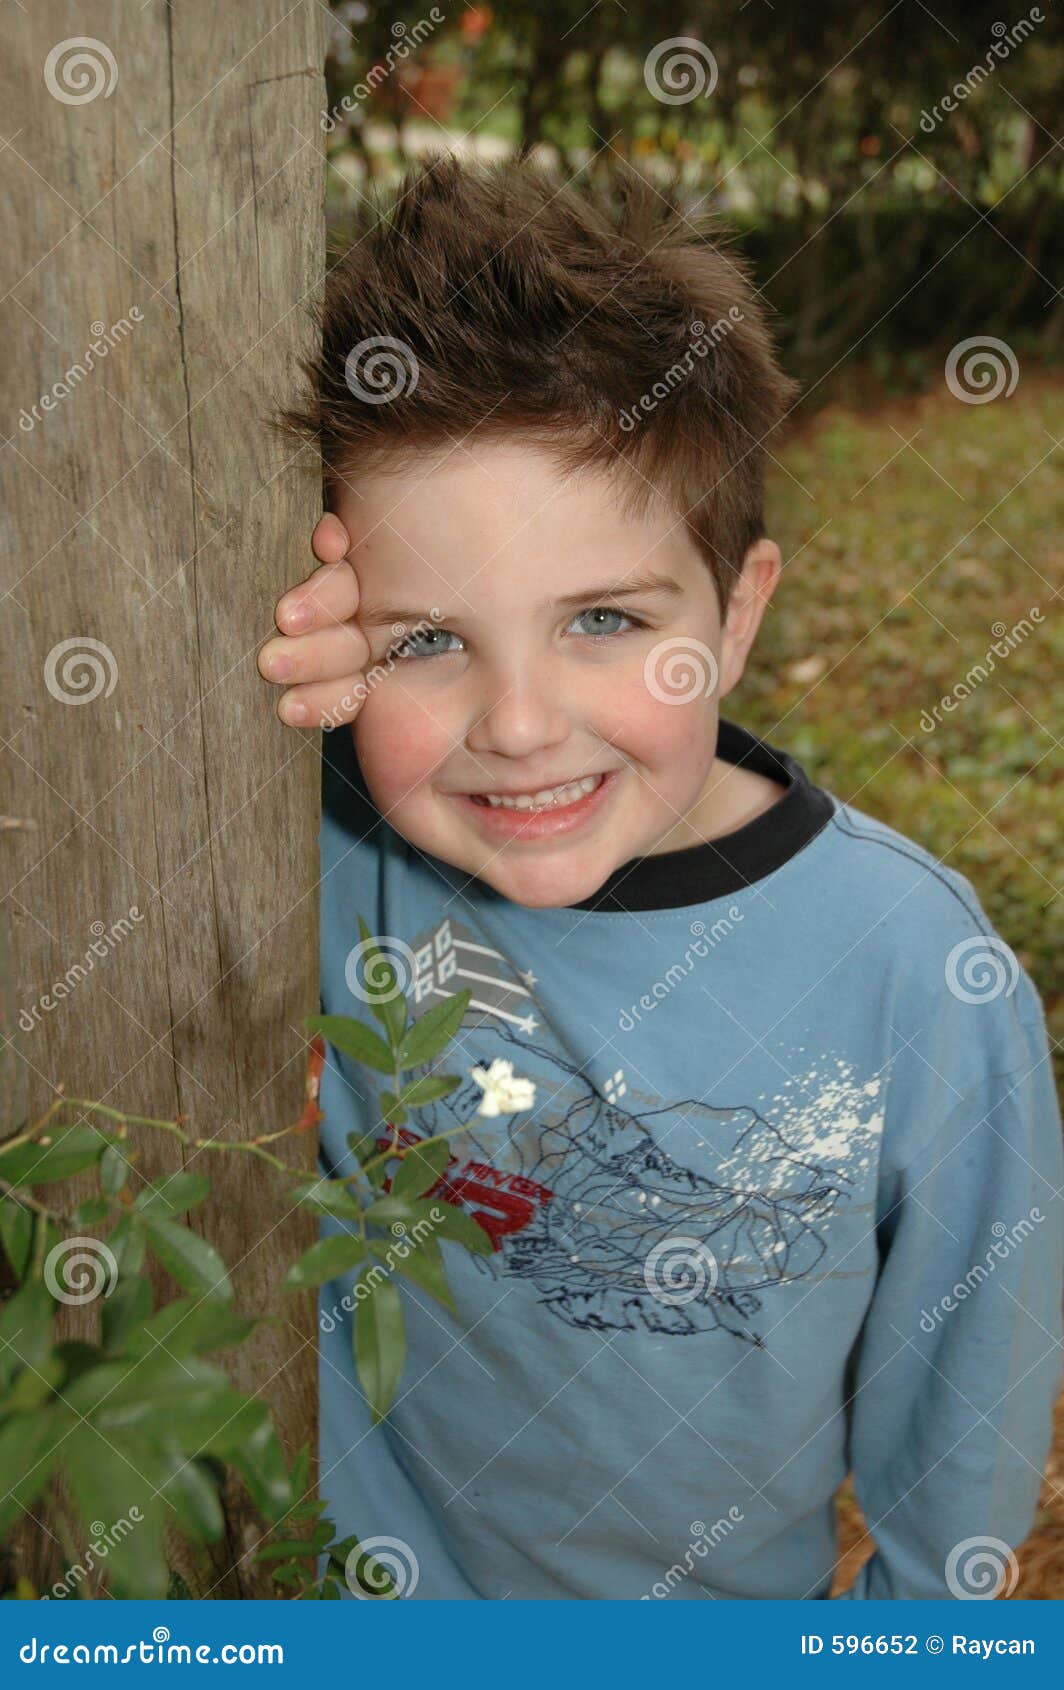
(325,598)
(327,654)
(323,704)
(330,540)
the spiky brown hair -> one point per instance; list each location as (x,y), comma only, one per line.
(599,325)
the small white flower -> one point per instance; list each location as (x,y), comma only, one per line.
(502,1093)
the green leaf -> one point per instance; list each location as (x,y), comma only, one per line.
(355,1039)
(286,1575)
(433,1032)
(128,1244)
(451,1223)
(106,1486)
(364,1147)
(373,1577)
(301,1470)
(324,1260)
(186,1327)
(391,1109)
(284,1549)
(128,1306)
(91,1212)
(189,1404)
(387,1210)
(16,1234)
(380,1345)
(173,1194)
(423,1265)
(25,1330)
(259,1459)
(431,1215)
(29,1446)
(420,1168)
(193,1262)
(180,1482)
(142,1380)
(77,1358)
(428,1089)
(33,1386)
(68,1151)
(387,1002)
(115,1168)
(327,1197)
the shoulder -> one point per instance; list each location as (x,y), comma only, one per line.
(920,924)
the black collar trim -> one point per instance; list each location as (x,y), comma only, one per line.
(721,866)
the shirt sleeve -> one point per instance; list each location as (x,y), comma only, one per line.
(957,1366)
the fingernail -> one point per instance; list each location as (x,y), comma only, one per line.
(297,617)
(294,712)
(280,667)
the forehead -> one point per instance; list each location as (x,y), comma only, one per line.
(540,527)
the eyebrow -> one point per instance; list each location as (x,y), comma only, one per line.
(377,615)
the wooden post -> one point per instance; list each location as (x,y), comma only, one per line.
(165,226)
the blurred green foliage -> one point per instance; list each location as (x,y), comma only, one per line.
(874,215)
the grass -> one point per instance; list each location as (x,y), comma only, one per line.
(901,558)
(909,535)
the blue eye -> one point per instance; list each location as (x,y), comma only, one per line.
(432,638)
(607,610)
(408,647)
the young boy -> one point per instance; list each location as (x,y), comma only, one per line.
(787,1203)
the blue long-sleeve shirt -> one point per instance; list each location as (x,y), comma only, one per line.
(788,1204)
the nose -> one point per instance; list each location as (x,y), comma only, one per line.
(518,715)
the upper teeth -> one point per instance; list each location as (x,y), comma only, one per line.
(567,794)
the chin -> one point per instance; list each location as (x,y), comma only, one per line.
(547,887)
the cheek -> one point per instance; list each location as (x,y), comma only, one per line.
(400,746)
(657,733)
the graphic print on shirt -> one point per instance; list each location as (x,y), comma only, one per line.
(578,1192)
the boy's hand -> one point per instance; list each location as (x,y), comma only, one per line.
(321,658)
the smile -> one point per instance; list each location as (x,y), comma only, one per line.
(550,797)
(527,818)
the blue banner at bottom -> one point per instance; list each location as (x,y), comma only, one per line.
(279,1642)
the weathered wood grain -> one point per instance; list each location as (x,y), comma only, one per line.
(148,509)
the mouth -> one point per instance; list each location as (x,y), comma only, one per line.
(543,813)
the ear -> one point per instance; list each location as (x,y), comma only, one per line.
(750,595)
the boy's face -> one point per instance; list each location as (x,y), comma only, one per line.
(506,689)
